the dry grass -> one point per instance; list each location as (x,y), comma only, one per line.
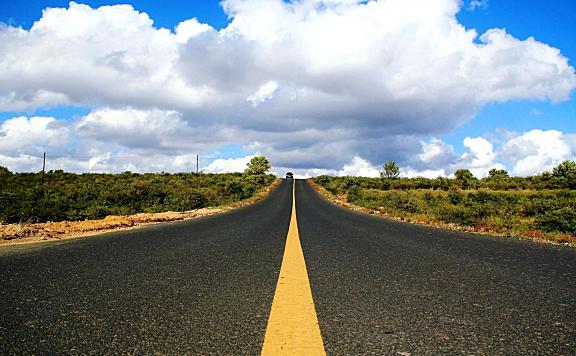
(423,219)
(566,239)
(18,233)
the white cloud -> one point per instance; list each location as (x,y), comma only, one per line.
(265,92)
(136,128)
(22,162)
(427,173)
(98,142)
(359,167)
(312,84)
(479,157)
(436,154)
(228,165)
(526,154)
(477,4)
(536,151)
(439,159)
(352,51)
(480,151)
(27,99)
(529,153)
(80,55)
(22,135)
(189,29)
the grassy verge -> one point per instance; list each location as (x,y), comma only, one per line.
(545,216)
(61,196)
(47,231)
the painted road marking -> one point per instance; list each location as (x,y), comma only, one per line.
(293,325)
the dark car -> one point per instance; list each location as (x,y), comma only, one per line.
(289,175)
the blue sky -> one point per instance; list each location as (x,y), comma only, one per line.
(496,120)
(166,13)
(555,26)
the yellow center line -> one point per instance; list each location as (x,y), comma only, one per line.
(293,326)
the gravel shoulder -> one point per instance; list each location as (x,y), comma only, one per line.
(11,234)
(341,201)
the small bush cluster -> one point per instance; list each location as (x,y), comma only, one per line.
(503,204)
(73,197)
(545,181)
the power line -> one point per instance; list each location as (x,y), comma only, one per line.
(44,157)
(41,156)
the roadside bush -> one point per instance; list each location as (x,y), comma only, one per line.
(509,209)
(458,214)
(354,193)
(410,206)
(248,190)
(234,188)
(456,197)
(68,196)
(563,220)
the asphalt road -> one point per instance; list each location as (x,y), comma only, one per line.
(201,287)
(385,287)
(206,286)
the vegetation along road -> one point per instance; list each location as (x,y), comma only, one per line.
(237,284)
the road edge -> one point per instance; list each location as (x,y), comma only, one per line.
(436,224)
(42,233)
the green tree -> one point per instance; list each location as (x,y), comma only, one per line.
(566,169)
(465,178)
(4,170)
(391,170)
(464,174)
(258,165)
(498,173)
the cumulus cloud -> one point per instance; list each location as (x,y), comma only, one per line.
(479,157)
(359,167)
(98,142)
(106,140)
(81,55)
(228,165)
(137,128)
(527,153)
(188,29)
(536,151)
(23,135)
(436,154)
(312,84)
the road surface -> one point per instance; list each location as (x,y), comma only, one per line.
(207,286)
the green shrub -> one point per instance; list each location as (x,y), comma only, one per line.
(248,190)
(68,196)
(456,197)
(354,193)
(562,220)
(410,206)
(510,203)
(458,214)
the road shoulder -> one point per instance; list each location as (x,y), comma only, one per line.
(14,234)
(436,224)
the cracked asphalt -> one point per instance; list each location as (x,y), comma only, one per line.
(205,287)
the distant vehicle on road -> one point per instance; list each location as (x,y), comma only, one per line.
(289,175)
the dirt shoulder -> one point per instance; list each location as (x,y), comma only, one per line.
(564,239)
(11,234)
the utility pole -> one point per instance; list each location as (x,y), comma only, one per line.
(43,173)
(196,164)
(43,169)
